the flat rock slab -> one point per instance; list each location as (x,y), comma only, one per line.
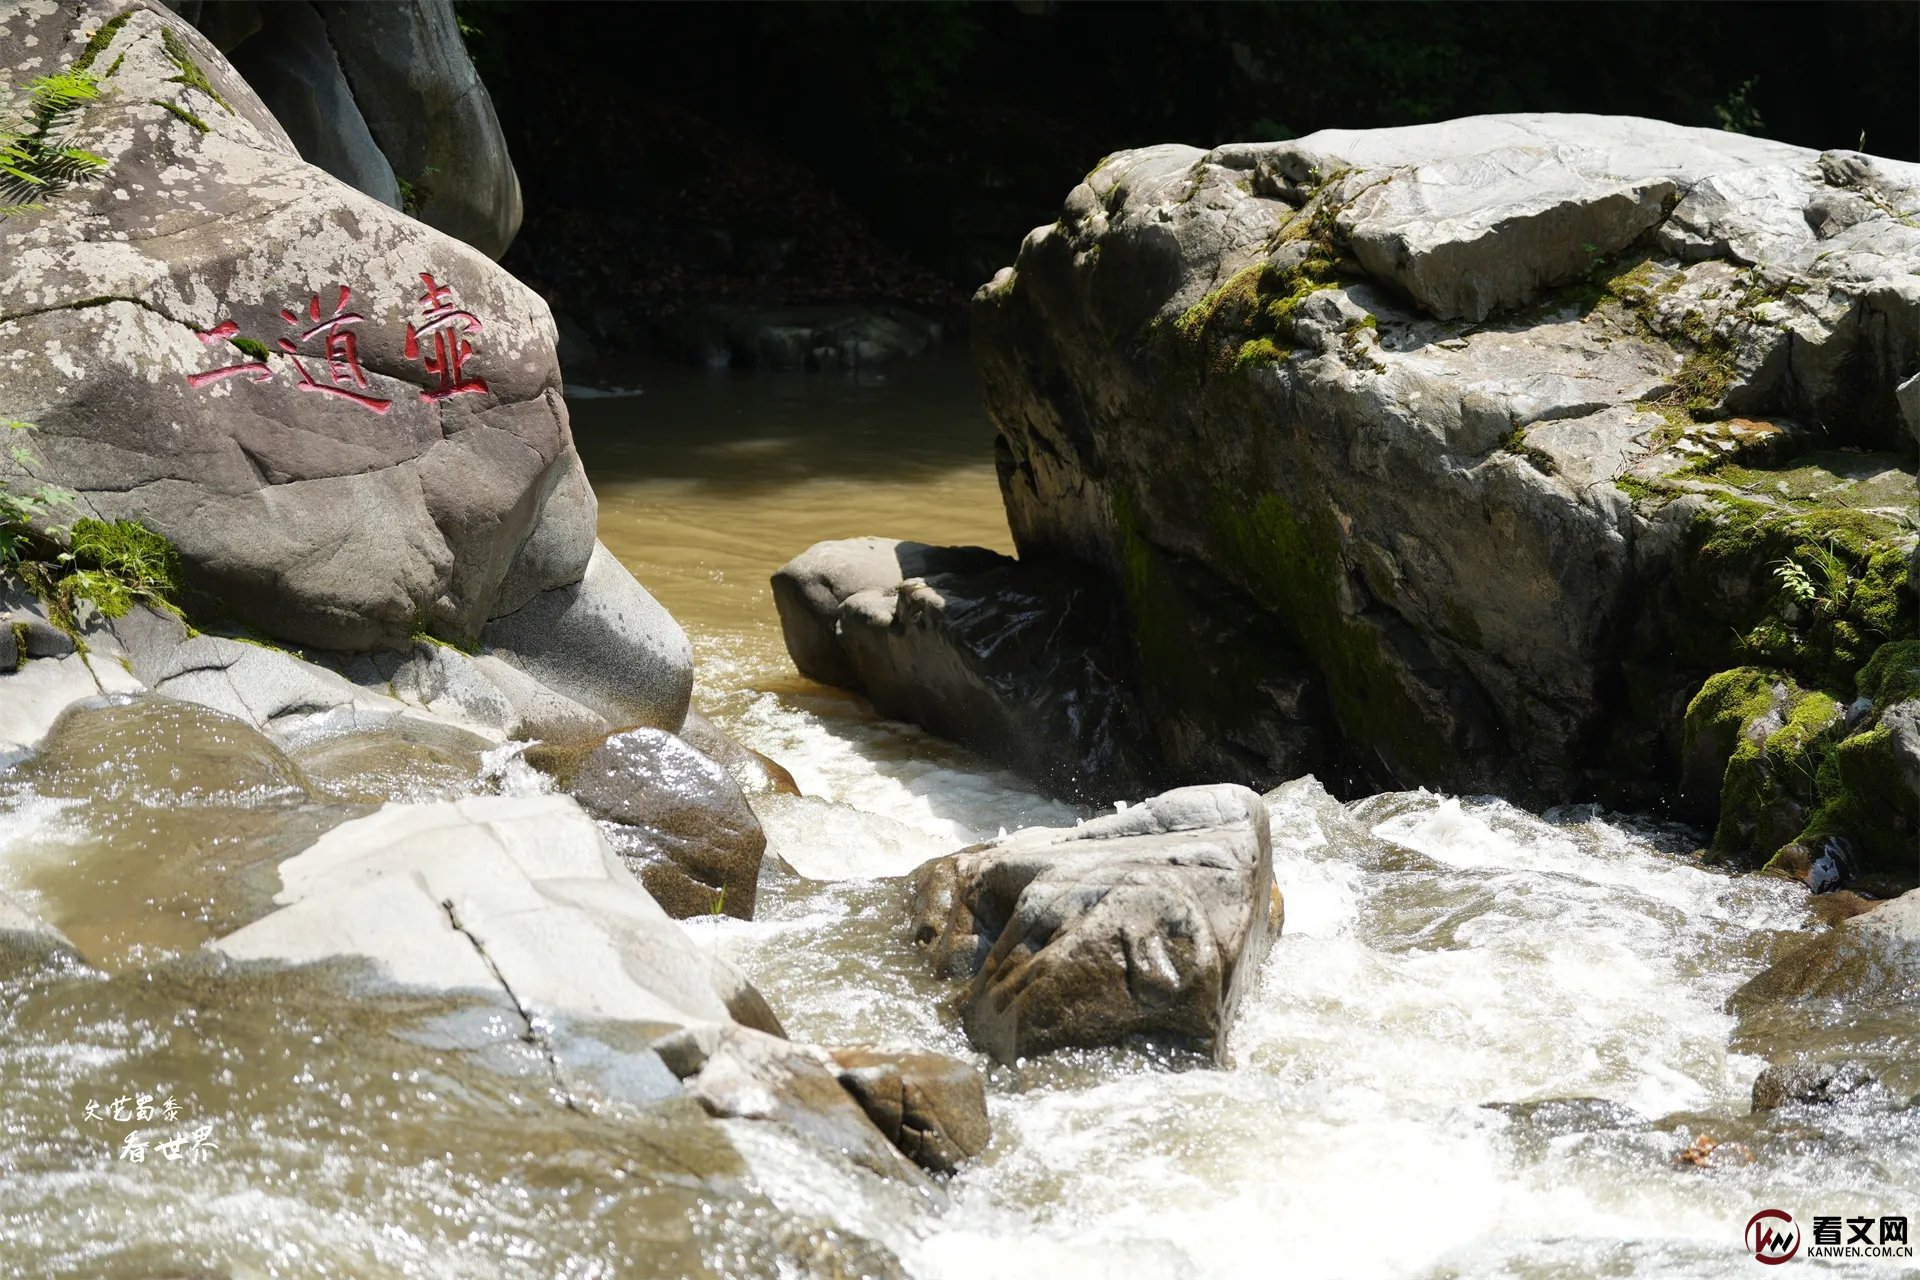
(1147,922)
(520,896)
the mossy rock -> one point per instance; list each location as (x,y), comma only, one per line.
(1892,675)
(1768,738)
(1869,801)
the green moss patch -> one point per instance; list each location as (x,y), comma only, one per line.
(98,42)
(186,116)
(1773,737)
(1810,591)
(190,75)
(1867,800)
(110,565)
(1892,675)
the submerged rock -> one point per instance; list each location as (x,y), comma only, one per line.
(24,935)
(932,1107)
(1147,922)
(159,750)
(1870,961)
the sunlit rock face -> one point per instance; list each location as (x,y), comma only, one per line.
(1144,923)
(1494,433)
(349,423)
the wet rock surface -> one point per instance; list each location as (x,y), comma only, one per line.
(1149,922)
(1817,1084)
(932,1107)
(675,815)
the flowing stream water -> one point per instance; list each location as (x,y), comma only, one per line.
(1477,1049)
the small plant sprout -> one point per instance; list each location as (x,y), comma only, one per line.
(1826,587)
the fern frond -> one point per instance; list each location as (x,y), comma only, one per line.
(35,164)
(57,97)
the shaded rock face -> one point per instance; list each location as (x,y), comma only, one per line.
(283,52)
(425,105)
(679,819)
(1011,661)
(932,1107)
(1488,431)
(384,98)
(342,494)
(1147,922)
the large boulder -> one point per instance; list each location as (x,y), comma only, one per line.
(283,52)
(383,97)
(1147,922)
(349,424)
(1504,435)
(425,105)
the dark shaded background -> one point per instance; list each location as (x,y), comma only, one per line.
(674,154)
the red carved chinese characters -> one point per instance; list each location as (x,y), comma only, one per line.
(447,324)
(341,352)
(325,350)
(255,369)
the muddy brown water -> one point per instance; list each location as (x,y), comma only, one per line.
(1445,957)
